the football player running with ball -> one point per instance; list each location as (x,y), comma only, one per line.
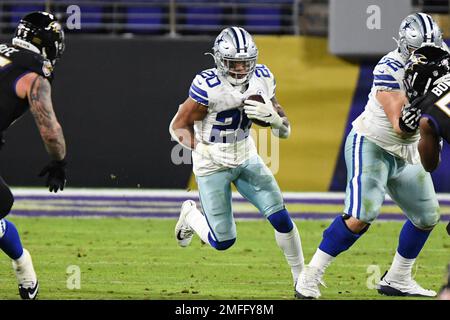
(381,156)
(214,122)
(26,67)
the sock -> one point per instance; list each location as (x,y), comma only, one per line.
(220,245)
(10,240)
(281,221)
(198,222)
(321,260)
(401,267)
(19,261)
(337,238)
(291,246)
(411,240)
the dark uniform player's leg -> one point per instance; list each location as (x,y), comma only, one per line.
(6,199)
(9,237)
(10,244)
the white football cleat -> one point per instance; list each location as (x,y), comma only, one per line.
(402,287)
(26,277)
(183,232)
(308,282)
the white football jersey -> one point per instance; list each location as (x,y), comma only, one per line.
(373,122)
(226,127)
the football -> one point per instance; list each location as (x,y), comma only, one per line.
(259,98)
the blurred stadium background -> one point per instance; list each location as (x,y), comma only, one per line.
(127,69)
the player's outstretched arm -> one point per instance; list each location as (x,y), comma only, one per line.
(41,107)
(393,102)
(38,92)
(270,112)
(181,127)
(429,146)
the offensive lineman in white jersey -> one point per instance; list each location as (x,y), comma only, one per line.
(381,156)
(214,122)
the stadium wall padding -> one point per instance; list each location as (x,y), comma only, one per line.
(115,98)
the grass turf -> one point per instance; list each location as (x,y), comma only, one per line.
(122,258)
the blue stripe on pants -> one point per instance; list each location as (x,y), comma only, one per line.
(353,173)
(359,177)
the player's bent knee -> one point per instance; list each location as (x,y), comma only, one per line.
(355,225)
(426,222)
(6,201)
(221,245)
(281,221)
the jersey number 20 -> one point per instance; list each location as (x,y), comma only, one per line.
(232,120)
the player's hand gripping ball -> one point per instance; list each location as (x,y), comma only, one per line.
(258,98)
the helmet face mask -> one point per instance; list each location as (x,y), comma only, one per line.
(235,55)
(416,30)
(237,71)
(42,33)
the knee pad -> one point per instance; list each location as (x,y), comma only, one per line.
(426,222)
(6,200)
(281,221)
(221,245)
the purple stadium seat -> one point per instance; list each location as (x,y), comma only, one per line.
(19,10)
(206,16)
(144,19)
(265,19)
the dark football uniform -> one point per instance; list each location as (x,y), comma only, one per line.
(15,63)
(436,107)
(37,45)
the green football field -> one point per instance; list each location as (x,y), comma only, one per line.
(126,258)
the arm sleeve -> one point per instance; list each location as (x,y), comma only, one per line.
(271,83)
(198,91)
(387,79)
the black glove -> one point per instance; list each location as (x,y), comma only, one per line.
(409,121)
(56,178)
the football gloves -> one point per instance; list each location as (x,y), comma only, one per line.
(409,120)
(56,179)
(263,112)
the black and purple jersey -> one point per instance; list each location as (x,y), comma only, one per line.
(15,63)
